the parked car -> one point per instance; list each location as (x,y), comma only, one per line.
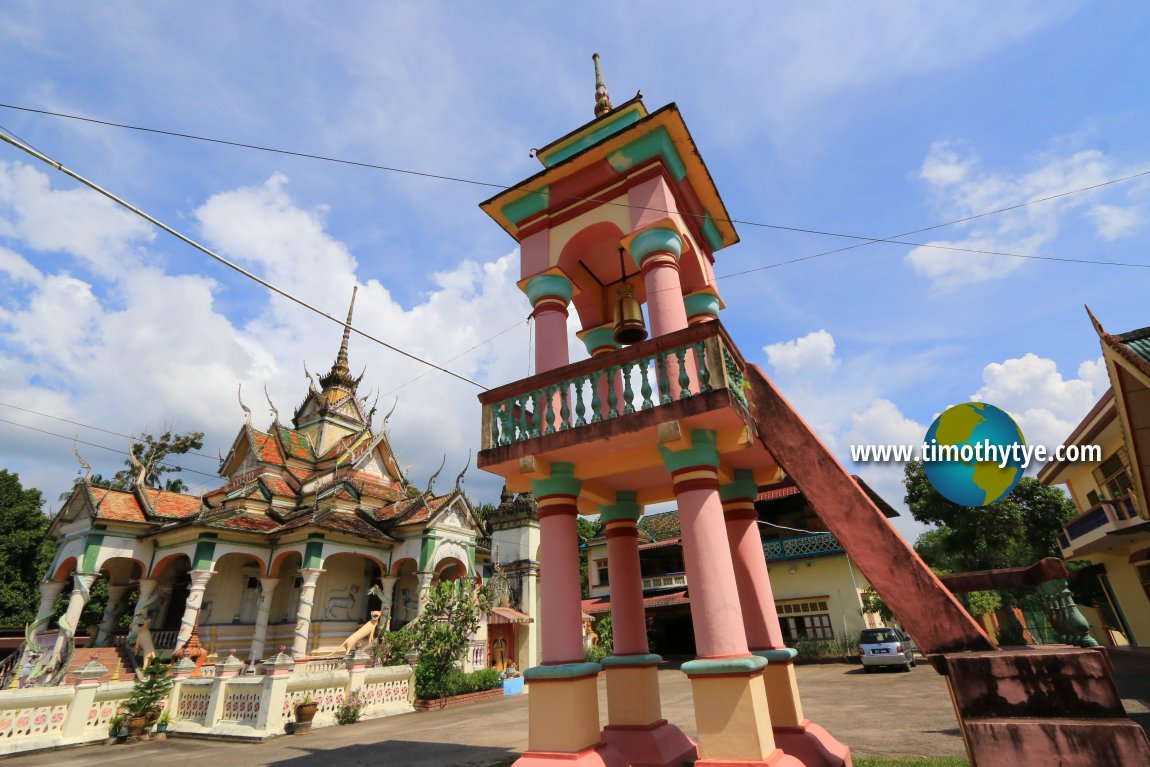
(885,647)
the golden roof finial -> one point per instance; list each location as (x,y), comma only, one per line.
(341,358)
(602,97)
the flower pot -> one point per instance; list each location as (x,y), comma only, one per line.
(305,712)
(137,725)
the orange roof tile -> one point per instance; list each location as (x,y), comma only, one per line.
(248,522)
(297,444)
(278,485)
(117,505)
(266,448)
(168,504)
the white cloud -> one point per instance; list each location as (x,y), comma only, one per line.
(1114,222)
(812,353)
(959,187)
(150,347)
(1045,405)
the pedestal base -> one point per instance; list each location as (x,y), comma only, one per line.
(660,744)
(775,759)
(599,755)
(812,745)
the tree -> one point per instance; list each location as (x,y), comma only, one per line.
(25,550)
(442,632)
(586,530)
(148,454)
(1016,531)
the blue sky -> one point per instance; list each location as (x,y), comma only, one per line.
(868,119)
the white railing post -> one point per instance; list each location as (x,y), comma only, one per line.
(77,716)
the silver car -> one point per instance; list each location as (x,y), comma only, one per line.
(885,647)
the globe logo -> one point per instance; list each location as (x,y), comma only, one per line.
(969,454)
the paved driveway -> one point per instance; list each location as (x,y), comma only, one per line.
(873,713)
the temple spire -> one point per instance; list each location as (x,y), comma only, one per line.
(602,97)
(340,367)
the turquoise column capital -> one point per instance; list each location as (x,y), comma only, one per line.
(600,338)
(659,239)
(549,285)
(702,452)
(625,508)
(561,482)
(742,488)
(702,303)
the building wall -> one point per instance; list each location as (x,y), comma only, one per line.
(830,579)
(1128,591)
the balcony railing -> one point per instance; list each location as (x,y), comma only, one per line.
(663,370)
(669,580)
(1117,511)
(799,546)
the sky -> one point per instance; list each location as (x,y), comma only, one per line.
(865,119)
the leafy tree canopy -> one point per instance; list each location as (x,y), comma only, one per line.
(1016,531)
(25,551)
(147,461)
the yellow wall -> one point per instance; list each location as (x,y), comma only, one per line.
(828,578)
(1128,592)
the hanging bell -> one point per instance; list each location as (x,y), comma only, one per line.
(629,327)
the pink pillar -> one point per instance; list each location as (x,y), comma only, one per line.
(628,620)
(561,617)
(716,614)
(550,294)
(760,618)
(664,294)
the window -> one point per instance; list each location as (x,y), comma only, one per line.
(1112,476)
(601,571)
(797,625)
(1144,578)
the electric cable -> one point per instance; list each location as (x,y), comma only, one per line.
(221,259)
(893,239)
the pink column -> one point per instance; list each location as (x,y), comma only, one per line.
(715,611)
(550,294)
(760,618)
(664,294)
(656,252)
(628,620)
(561,616)
(600,341)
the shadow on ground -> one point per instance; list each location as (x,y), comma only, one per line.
(402,753)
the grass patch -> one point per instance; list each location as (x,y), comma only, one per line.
(911,761)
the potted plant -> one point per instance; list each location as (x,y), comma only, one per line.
(305,709)
(164,720)
(148,694)
(116,726)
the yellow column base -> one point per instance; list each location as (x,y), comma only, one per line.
(731,712)
(563,708)
(782,689)
(632,692)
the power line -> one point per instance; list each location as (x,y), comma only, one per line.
(96,428)
(235,267)
(102,447)
(893,239)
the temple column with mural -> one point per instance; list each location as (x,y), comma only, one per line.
(116,594)
(636,727)
(731,710)
(81,593)
(425,579)
(793,732)
(191,614)
(49,593)
(565,681)
(386,597)
(263,610)
(145,598)
(310,576)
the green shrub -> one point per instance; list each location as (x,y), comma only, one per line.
(350,710)
(824,650)
(429,686)
(394,646)
(595,654)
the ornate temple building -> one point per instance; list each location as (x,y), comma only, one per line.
(314,528)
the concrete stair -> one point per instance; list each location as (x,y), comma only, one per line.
(115,659)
